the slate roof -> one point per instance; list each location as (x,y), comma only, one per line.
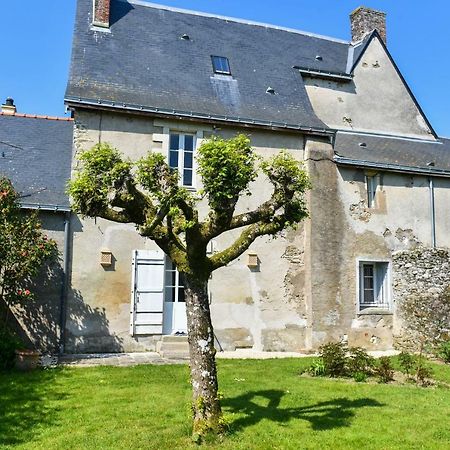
(36,154)
(143,64)
(392,153)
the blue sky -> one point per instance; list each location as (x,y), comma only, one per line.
(36,42)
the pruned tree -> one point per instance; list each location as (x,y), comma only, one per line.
(148,194)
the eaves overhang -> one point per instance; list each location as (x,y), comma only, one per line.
(42,207)
(72,101)
(427,171)
(315,73)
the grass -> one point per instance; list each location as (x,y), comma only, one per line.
(267,404)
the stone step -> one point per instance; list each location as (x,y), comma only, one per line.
(174,355)
(173,347)
(171,338)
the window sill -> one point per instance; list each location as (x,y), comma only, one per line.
(375,312)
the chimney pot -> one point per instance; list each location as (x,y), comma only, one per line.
(9,107)
(364,20)
(102,13)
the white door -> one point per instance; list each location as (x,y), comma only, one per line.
(147,299)
(175,320)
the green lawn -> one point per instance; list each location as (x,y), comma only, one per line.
(268,405)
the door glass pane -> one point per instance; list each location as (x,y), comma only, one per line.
(174,141)
(187,177)
(181,297)
(169,294)
(188,160)
(189,143)
(173,159)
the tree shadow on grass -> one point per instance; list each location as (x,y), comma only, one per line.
(27,403)
(259,405)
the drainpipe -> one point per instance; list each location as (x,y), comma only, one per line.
(64,284)
(433,212)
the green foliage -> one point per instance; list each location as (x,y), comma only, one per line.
(227,167)
(423,374)
(407,362)
(360,377)
(103,171)
(290,182)
(360,362)
(385,371)
(444,351)
(24,248)
(9,343)
(333,356)
(317,368)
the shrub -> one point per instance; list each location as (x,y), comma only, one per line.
(333,356)
(317,368)
(385,370)
(360,377)
(407,362)
(423,374)
(8,344)
(444,351)
(359,362)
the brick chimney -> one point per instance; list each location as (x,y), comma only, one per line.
(364,20)
(101,13)
(9,107)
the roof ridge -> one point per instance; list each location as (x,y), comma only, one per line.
(233,19)
(37,116)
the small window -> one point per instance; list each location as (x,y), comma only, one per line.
(221,65)
(371,185)
(181,157)
(373,285)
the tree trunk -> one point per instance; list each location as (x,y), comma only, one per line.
(207,413)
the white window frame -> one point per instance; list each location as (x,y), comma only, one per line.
(181,143)
(386,304)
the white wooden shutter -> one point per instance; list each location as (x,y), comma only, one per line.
(147,297)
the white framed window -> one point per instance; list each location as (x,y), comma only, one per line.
(371,186)
(181,157)
(374,285)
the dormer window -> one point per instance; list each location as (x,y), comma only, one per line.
(221,65)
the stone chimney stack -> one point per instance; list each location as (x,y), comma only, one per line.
(101,13)
(364,20)
(9,107)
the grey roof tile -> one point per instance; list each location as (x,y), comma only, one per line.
(36,154)
(143,61)
(394,151)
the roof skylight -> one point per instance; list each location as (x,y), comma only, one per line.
(221,65)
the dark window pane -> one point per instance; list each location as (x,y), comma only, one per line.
(187,177)
(368,296)
(181,297)
(368,270)
(221,65)
(188,159)
(173,159)
(181,280)
(189,143)
(174,141)
(169,295)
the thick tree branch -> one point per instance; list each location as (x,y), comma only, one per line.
(246,238)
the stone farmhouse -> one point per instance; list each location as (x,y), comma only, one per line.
(147,77)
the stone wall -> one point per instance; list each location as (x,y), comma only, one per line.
(422,271)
